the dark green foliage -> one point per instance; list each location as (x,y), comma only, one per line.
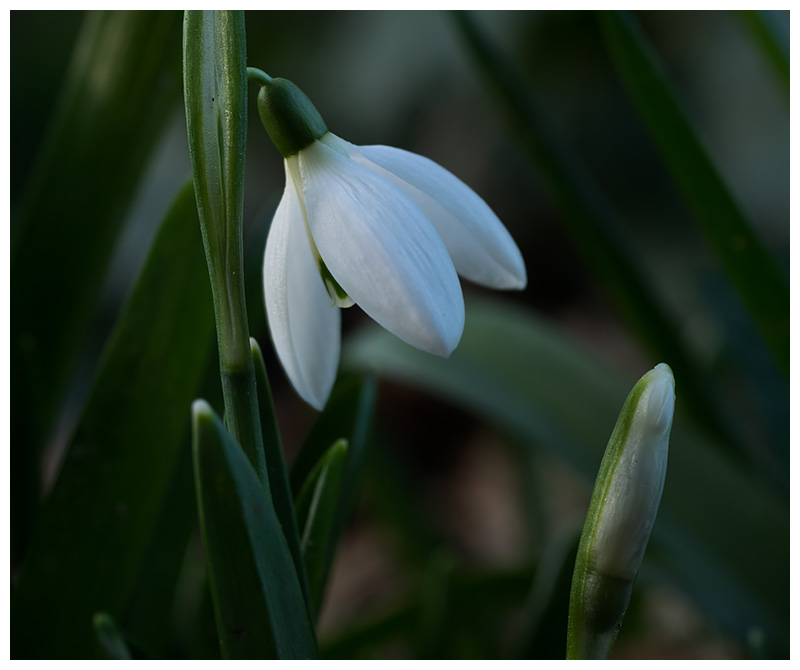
(94,530)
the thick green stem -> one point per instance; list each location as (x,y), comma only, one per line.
(241,408)
(258,76)
(215,88)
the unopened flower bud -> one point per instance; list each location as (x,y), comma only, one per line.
(621,515)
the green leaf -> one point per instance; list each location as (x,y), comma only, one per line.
(347,415)
(316,512)
(258,600)
(436,584)
(94,529)
(389,487)
(151,608)
(721,534)
(281,492)
(148,611)
(770,31)
(120,88)
(749,266)
(111,642)
(543,632)
(595,228)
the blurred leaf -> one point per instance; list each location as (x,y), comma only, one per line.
(193,627)
(534,382)
(316,509)
(31,106)
(147,614)
(150,609)
(259,603)
(543,634)
(389,488)
(121,86)
(597,233)
(111,642)
(746,261)
(771,33)
(436,584)
(94,529)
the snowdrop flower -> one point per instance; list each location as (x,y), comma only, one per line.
(375,226)
(622,511)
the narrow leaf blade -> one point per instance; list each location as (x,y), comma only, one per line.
(280,490)
(347,415)
(117,94)
(259,603)
(597,232)
(316,513)
(748,264)
(770,32)
(95,526)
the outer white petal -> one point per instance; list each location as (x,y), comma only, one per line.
(381,248)
(482,249)
(305,327)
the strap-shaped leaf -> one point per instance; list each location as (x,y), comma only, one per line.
(770,31)
(748,264)
(91,535)
(316,513)
(258,600)
(280,490)
(119,90)
(149,610)
(347,415)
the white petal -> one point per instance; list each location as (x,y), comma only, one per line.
(305,327)
(381,248)
(482,249)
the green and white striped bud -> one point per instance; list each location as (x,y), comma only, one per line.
(622,511)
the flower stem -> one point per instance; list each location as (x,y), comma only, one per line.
(237,372)
(258,76)
(215,92)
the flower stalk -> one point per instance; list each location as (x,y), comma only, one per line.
(215,92)
(622,511)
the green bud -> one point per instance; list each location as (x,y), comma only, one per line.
(289,117)
(621,515)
